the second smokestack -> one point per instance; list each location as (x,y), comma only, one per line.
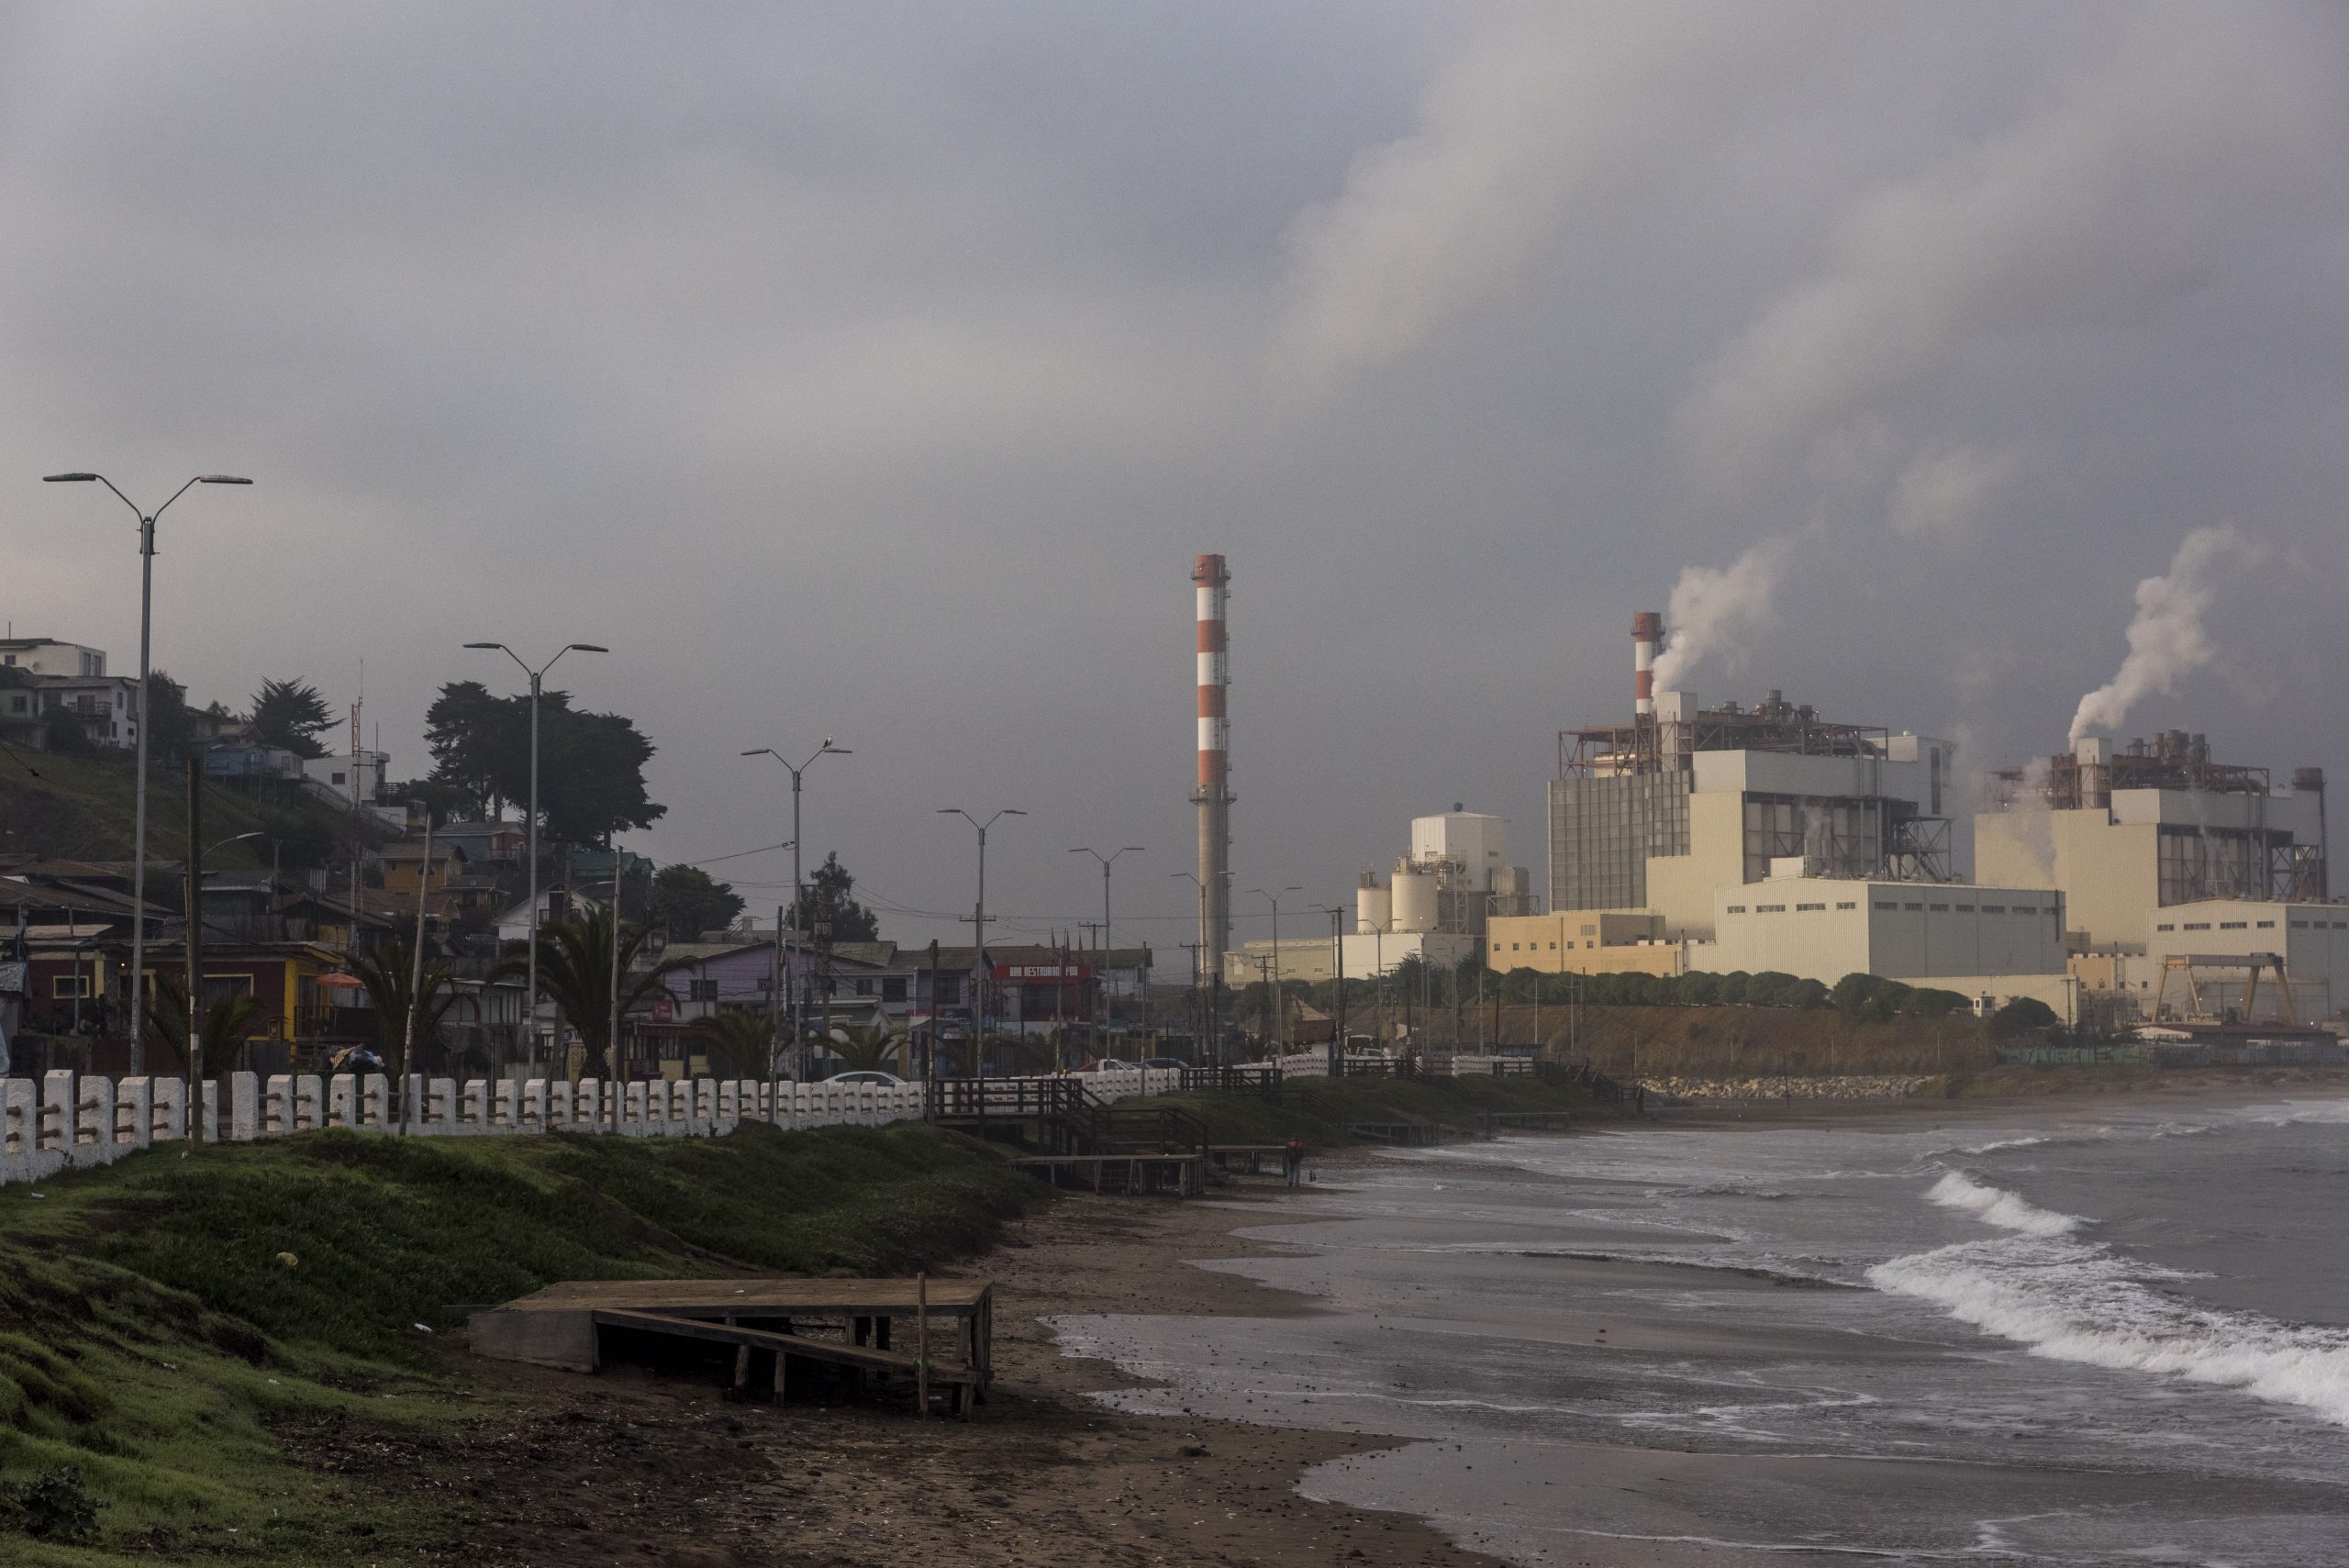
(1647,641)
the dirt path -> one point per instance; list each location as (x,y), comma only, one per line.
(637,1470)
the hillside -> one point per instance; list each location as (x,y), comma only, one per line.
(83,808)
(1626,1042)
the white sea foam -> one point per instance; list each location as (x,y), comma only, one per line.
(2077,1301)
(1995,1206)
(1998,1143)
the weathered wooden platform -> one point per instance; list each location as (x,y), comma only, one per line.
(929,1331)
(1400,1132)
(1248,1157)
(1182,1175)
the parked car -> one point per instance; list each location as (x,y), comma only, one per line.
(878,1079)
(1107,1064)
(1165,1063)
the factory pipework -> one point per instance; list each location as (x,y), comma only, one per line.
(1647,641)
(1213,794)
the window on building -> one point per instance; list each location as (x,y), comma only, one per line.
(2170,927)
(2266,925)
(2297,925)
(1994,909)
(1914,909)
(2234,925)
(1885,904)
(1735,909)
(1496,947)
(1553,947)
(1769,908)
(1810,909)
(68,985)
(701,990)
(1966,908)
(1850,905)
(948,988)
(893,988)
(1941,909)
(2198,925)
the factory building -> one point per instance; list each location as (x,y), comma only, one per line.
(2311,941)
(1434,906)
(1656,816)
(1968,937)
(2124,833)
(1584,941)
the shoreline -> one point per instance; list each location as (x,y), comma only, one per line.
(1043,1476)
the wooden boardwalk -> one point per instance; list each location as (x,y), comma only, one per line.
(930,1332)
(1180,1175)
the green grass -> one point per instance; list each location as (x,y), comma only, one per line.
(84,808)
(1320,1110)
(152,1335)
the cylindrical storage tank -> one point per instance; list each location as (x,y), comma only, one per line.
(1373,908)
(1411,901)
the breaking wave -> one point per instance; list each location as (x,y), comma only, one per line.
(1995,1206)
(2077,1301)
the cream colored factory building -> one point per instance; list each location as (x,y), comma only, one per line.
(2311,939)
(1583,941)
(1964,937)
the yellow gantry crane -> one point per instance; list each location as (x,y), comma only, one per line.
(2254,965)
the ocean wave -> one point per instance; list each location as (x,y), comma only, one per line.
(2294,1113)
(1995,1206)
(2083,1137)
(1998,1143)
(2077,1301)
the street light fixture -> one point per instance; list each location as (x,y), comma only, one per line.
(538,677)
(1107,861)
(1280,994)
(979,931)
(798,891)
(138,828)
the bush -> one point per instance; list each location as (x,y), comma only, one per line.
(2022,1016)
(53,1506)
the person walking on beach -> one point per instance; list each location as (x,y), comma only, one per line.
(1293,1160)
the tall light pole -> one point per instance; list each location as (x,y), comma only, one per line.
(139,820)
(1280,1000)
(979,931)
(538,678)
(798,889)
(1337,990)
(1107,861)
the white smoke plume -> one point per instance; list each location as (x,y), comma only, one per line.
(2168,640)
(1715,611)
(2104,204)
(1543,104)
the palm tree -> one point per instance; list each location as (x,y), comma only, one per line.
(388,973)
(575,969)
(228,1022)
(742,1039)
(866,1048)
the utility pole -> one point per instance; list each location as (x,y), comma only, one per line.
(1274,899)
(798,884)
(194,914)
(979,933)
(1107,861)
(416,973)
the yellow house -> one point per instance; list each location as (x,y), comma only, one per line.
(405,871)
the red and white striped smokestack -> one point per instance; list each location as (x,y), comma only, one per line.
(1213,795)
(1215,674)
(1647,641)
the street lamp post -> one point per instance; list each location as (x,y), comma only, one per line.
(538,677)
(1280,1001)
(139,820)
(798,890)
(1107,861)
(1337,990)
(979,932)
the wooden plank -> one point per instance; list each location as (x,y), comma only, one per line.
(755,1296)
(860,1357)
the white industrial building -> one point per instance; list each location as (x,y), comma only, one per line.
(1433,907)
(2000,942)
(2311,941)
(2125,833)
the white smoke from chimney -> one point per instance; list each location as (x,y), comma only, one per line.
(2168,640)
(1715,611)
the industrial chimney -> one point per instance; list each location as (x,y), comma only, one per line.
(1214,794)
(1647,641)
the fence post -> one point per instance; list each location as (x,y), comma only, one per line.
(244,1106)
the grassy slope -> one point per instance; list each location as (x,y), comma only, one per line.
(1725,1042)
(82,808)
(151,1334)
(1320,1110)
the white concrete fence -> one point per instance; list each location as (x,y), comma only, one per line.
(71,1119)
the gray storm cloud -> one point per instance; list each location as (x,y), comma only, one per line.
(2169,638)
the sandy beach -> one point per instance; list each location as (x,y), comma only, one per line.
(630,1468)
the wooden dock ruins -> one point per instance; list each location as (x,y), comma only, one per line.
(935,1335)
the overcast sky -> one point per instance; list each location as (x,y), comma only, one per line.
(875,371)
